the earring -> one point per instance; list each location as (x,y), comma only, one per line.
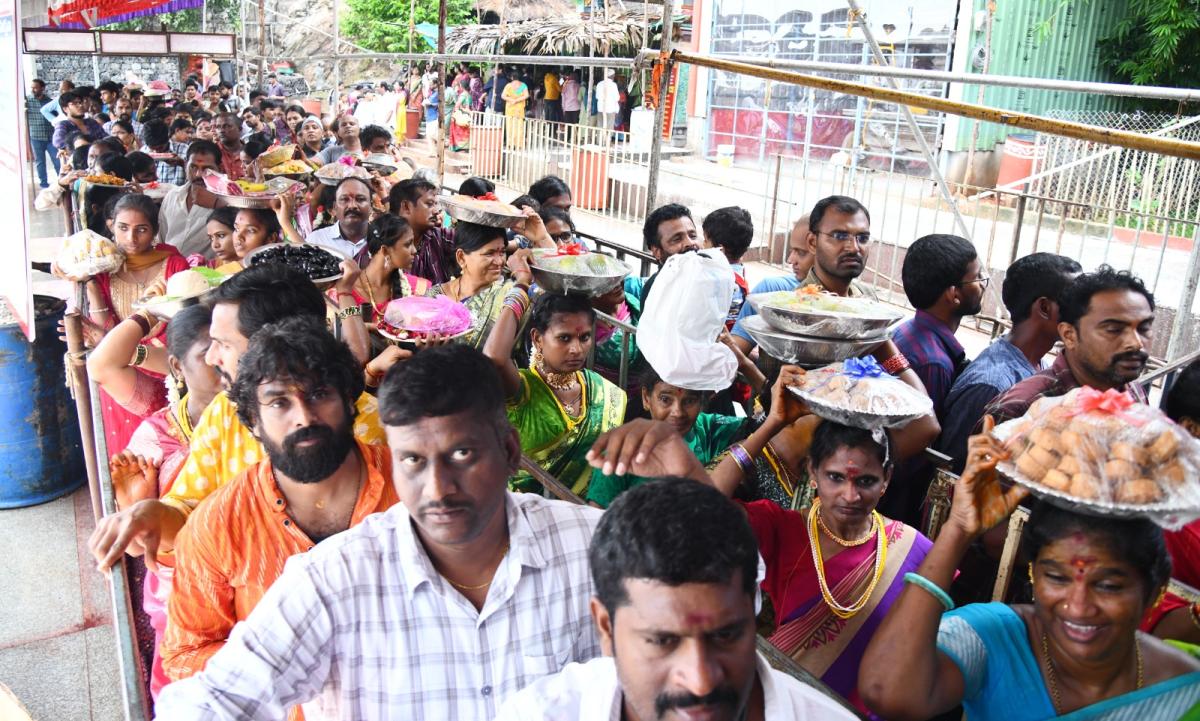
(535,357)
(387,263)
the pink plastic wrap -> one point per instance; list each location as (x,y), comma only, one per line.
(1101,452)
(426,316)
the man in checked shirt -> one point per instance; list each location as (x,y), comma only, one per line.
(440,608)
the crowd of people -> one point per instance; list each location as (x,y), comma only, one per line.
(337,522)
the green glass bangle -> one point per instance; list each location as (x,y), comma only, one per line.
(932,588)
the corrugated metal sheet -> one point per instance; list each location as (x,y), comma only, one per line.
(1068,52)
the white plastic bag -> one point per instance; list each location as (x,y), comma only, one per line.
(685,313)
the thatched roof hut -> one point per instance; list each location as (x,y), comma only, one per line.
(492,11)
(620,32)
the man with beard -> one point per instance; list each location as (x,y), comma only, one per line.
(228,130)
(74,104)
(352,209)
(416,201)
(1104,320)
(674,564)
(183,215)
(944,281)
(123,110)
(295,391)
(221,446)
(669,230)
(440,608)
(830,252)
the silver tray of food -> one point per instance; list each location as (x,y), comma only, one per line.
(591,274)
(804,350)
(382,163)
(857,392)
(251,194)
(824,315)
(320,263)
(336,172)
(482,212)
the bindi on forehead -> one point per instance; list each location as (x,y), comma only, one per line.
(852,471)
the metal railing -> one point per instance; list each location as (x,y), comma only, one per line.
(134,696)
(606,172)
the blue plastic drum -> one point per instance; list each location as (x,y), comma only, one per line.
(41,457)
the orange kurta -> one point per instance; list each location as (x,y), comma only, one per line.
(233,547)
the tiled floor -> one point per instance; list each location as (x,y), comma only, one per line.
(58,654)
(57,648)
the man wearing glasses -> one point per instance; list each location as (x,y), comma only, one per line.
(75,106)
(837,242)
(945,282)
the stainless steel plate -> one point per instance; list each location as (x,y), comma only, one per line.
(802,349)
(827,324)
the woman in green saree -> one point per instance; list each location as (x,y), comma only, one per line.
(558,406)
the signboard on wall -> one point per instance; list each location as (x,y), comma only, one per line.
(15,280)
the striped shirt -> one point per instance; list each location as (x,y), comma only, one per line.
(364,627)
(935,354)
(234,548)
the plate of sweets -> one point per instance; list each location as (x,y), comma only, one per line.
(1101,452)
(182,288)
(88,253)
(813,312)
(157,190)
(105,179)
(858,392)
(246,193)
(483,210)
(572,268)
(294,169)
(408,320)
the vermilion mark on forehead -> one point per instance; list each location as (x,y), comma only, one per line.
(697,619)
(1081,563)
(852,471)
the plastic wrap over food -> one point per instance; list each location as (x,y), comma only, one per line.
(88,253)
(427,316)
(1103,453)
(596,265)
(812,312)
(857,392)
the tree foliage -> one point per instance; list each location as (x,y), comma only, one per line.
(222,17)
(384,25)
(1155,43)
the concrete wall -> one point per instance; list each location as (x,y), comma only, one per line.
(79,68)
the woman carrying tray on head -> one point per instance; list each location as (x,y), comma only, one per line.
(1074,653)
(479,251)
(558,406)
(829,598)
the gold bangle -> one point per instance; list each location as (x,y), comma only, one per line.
(353,310)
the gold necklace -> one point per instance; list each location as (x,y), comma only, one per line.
(557,381)
(1052,675)
(461,587)
(842,541)
(845,612)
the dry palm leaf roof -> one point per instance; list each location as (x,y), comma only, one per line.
(620,33)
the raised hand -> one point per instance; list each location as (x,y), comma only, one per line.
(981,500)
(645,448)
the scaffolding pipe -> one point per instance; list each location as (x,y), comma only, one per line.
(441,106)
(551,60)
(919,136)
(1180,330)
(660,110)
(1154,92)
(1081,131)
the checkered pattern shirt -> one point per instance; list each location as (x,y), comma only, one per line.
(39,127)
(364,627)
(167,173)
